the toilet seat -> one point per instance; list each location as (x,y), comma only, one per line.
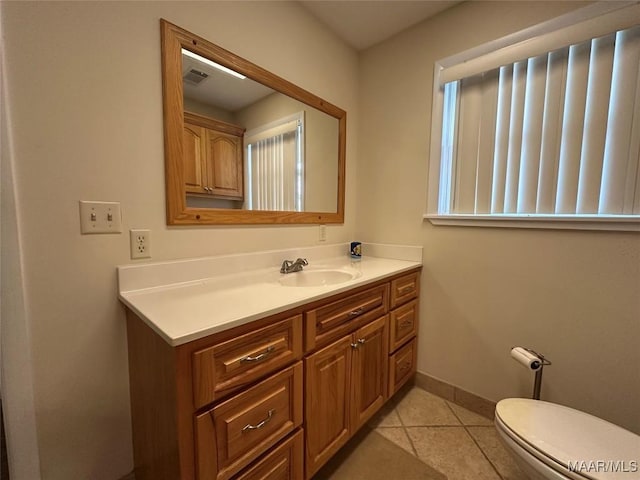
(558,435)
(532,457)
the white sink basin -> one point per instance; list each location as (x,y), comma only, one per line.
(317,278)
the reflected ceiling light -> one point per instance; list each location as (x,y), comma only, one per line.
(206,61)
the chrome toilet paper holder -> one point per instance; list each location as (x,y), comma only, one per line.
(537,383)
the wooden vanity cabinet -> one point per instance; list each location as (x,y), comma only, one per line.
(213,157)
(275,398)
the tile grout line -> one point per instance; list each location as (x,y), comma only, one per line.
(475,441)
(406,433)
(484,454)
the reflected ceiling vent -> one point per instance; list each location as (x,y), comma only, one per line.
(194,77)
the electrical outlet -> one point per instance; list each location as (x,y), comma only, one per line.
(140,243)
(322,233)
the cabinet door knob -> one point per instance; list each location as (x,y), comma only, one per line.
(354,345)
(261,424)
(362,341)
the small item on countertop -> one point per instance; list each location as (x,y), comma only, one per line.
(355,250)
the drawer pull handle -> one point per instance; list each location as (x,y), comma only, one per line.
(259,357)
(406,289)
(261,424)
(405,366)
(406,323)
(356,312)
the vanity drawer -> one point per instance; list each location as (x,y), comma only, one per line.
(331,321)
(234,433)
(285,462)
(402,365)
(403,325)
(227,366)
(404,288)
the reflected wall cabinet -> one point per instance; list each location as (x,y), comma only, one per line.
(212,157)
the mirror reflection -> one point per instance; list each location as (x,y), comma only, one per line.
(243,145)
(249,147)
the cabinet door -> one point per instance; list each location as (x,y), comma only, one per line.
(224,164)
(327,375)
(369,380)
(194,145)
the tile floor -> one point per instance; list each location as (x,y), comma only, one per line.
(451,439)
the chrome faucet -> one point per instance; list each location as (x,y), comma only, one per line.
(289,266)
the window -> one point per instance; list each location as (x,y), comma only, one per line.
(275,165)
(543,127)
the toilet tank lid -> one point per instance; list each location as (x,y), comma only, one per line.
(568,435)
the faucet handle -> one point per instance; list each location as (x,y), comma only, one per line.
(302,261)
(285,266)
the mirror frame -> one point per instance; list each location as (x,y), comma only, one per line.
(173,39)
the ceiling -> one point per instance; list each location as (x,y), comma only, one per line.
(364,23)
(220,89)
(360,23)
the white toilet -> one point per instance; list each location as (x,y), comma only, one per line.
(552,442)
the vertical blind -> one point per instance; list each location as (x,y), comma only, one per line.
(558,133)
(275,170)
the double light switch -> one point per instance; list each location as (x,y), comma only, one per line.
(100,217)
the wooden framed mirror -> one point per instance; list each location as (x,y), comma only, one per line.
(248,148)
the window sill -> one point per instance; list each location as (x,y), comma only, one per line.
(562,222)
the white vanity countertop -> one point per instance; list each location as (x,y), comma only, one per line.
(231,293)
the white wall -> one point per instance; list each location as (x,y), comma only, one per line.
(574,296)
(85,94)
(15,347)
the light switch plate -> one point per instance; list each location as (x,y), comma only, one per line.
(100,217)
